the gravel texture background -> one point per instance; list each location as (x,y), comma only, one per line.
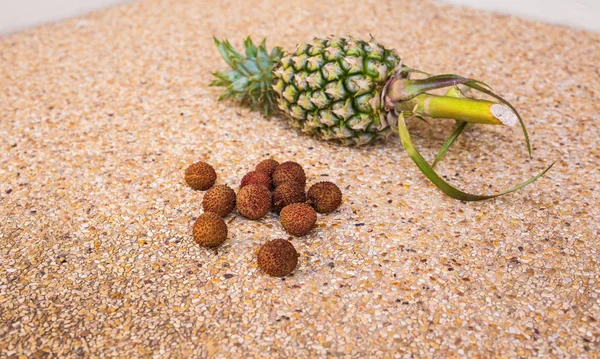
(100,116)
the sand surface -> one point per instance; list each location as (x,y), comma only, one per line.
(100,116)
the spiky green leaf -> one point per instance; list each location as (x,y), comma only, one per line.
(250,77)
(250,48)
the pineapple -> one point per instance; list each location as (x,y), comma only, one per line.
(332,88)
(355,92)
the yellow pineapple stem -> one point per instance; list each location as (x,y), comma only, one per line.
(403,94)
(462,109)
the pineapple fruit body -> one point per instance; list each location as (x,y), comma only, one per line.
(332,88)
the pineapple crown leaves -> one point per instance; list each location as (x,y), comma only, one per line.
(250,77)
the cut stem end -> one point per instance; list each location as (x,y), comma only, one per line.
(504,114)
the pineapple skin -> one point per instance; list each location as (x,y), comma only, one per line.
(331,88)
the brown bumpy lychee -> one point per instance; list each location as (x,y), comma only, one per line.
(324,196)
(267,166)
(253,201)
(256,177)
(200,176)
(278,258)
(287,193)
(209,230)
(289,172)
(219,199)
(298,219)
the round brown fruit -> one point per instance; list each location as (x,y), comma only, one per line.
(256,177)
(298,219)
(324,196)
(200,176)
(267,166)
(289,172)
(287,193)
(278,258)
(219,199)
(253,201)
(209,230)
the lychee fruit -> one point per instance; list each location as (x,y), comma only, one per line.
(324,196)
(278,258)
(209,230)
(253,201)
(298,219)
(287,193)
(289,172)
(219,199)
(200,176)
(256,177)
(267,166)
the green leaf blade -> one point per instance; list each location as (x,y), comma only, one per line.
(459,129)
(439,182)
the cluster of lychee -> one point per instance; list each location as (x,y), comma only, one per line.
(270,186)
